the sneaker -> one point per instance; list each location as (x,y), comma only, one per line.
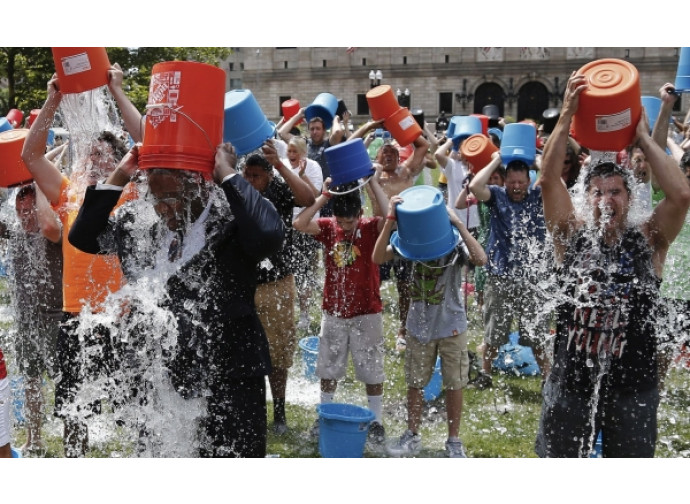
(376,436)
(483,381)
(407,445)
(314,431)
(455,449)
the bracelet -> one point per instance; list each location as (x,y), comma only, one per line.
(326,194)
(391,218)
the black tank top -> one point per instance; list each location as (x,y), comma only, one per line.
(606,320)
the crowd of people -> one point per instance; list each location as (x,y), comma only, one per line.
(240,250)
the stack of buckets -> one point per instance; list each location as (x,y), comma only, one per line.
(398,120)
(462,127)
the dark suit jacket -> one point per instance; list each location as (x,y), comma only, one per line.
(220,334)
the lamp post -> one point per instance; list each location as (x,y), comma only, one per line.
(403,97)
(375,78)
(463,96)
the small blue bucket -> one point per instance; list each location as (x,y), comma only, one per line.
(324,106)
(348,161)
(433,388)
(462,127)
(652,106)
(309,347)
(15,452)
(515,358)
(343,429)
(498,132)
(424,229)
(244,123)
(5,124)
(682,83)
(519,143)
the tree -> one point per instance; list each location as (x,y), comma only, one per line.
(24,71)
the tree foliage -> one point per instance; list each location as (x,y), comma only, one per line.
(25,71)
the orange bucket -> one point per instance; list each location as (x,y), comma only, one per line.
(403,127)
(290,108)
(382,102)
(485,123)
(184,118)
(477,150)
(13,171)
(81,68)
(610,108)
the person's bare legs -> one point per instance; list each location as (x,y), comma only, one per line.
(75,438)
(34,406)
(278,382)
(415,405)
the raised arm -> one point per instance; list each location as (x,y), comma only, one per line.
(301,191)
(382,249)
(304,221)
(415,163)
(441,153)
(48,221)
(284,130)
(47,176)
(477,255)
(365,128)
(479,186)
(134,122)
(559,212)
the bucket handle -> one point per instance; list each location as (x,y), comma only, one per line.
(335,193)
(179,111)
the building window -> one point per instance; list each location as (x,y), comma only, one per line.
(364,62)
(242,65)
(285,64)
(324,63)
(404,60)
(445,103)
(447,58)
(231,66)
(362,105)
(235,83)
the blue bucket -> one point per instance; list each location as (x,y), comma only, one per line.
(15,452)
(498,132)
(348,161)
(597,451)
(5,124)
(433,388)
(652,107)
(309,347)
(343,430)
(682,83)
(424,229)
(519,143)
(324,106)
(244,123)
(462,127)
(515,358)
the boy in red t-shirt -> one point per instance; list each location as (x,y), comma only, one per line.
(352,321)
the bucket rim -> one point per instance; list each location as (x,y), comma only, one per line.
(367,415)
(395,243)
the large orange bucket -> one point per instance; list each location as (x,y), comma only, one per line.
(13,171)
(382,102)
(610,108)
(477,151)
(184,118)
(81,68)
(403,127)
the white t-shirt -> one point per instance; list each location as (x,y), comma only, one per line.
(313,173)
(455,172)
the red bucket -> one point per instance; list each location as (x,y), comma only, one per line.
(610,108)
(382,102)
(32,116)
(81,68)
(477,151)
(13,171)
(403,127)
(290,109)
(485,123)
(184,118)
(15,117)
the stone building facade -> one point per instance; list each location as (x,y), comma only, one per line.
(521,81)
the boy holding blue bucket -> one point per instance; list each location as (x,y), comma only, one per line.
(436,323)
(352,321)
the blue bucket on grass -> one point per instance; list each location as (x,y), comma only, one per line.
(515,358)
(343,430)
(15,452)
(519,143)
(309,348)
(348,161)
(5,124)
(424,229)
(682,83)
(433,388)
(324,106)
(244,123)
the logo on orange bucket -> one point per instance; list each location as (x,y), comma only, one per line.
(164,93)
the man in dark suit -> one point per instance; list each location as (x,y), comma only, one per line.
(204,240)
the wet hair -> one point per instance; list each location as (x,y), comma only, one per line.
(315,119)
(347,205)
(517,166)
(258,160)
(606,170)
(24,191)
(118,146)
(300,144)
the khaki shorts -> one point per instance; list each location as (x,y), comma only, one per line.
(275,305)
(420,360)
(361,336)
